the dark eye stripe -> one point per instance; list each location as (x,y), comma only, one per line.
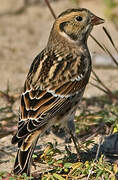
(62,25)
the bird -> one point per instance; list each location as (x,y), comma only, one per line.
(55,83)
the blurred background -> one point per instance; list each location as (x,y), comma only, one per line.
(24,30)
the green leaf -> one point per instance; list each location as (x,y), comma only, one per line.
(99,174)
(12,178)
(52,178)
(67,165)
(34,156)
(57,176)
(44,178)
(59,161)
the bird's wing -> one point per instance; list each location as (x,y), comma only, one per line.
(51,83)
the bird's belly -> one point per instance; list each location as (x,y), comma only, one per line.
(69,111)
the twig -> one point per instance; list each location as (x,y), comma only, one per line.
(98,149)
(114,60)
(114,113)
(99,44)
(98,80)
(105,89)
(110,38)
(50,8)
(100,88)
(104,48)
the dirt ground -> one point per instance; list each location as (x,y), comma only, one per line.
(23,36)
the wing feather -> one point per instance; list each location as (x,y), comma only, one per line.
(45,97)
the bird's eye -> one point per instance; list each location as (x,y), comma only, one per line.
(79,18)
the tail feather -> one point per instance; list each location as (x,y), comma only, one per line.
(23,160)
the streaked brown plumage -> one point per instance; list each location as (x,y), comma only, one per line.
(55,82)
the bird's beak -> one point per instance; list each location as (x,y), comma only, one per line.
(96,20)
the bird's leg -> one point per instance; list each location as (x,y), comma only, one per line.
(74,139)
(71,130)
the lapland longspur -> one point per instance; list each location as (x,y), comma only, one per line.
(55,83)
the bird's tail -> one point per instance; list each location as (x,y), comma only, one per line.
(24,158)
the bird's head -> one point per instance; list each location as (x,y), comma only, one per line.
(76,24)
